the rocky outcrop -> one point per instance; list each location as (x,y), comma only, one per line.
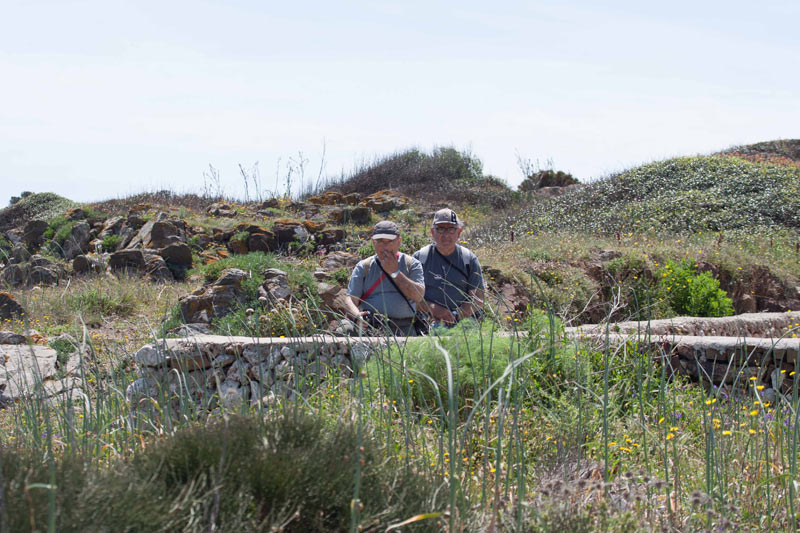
(385,201)
(126,260)
(218,299)
(33,233)
(38,270)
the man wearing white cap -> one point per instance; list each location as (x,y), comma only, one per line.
(387,285)
(453,278)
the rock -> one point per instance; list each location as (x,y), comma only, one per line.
(45,275)
(9,337)
(314,226)
(221,209)
(84,264)
(330,236)
(37,271)
(126,259)
(33,233)
(275,286)
(178,257)
(263,241)
(157,233)
(156,269)
(386,200)
(190,330)
(150,355)
(219,299)
(112,226)
(287,231)
(237,246)
(24,368)
(77,243)
(328,198)
(337,260)
(334,297)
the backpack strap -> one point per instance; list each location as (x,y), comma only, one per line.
(368,263)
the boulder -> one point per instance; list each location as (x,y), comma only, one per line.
(328,198)
(178,257)
(221,209)
(263,241)
(112,226)
(157,233)
(83,264)
(218,299)
(19,254)
(329,236)
(275,286)
(37,270)
(77,243)
(337,260)
(33,233)
(287,231)
(126,259)
(9,337)
(386,200)
(9,308)
(156,268)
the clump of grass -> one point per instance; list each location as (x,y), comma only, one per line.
(242,474)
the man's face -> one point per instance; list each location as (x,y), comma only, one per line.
(445,236)
(384,247)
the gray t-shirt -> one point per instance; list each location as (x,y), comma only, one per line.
(448,284)
(385,299)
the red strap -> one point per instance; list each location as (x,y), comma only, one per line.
(374,286)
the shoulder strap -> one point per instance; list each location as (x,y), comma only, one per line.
(367,264)
(460,271)
(384,275)
(424,255)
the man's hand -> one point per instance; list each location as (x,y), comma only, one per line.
(388,261)
(441,314)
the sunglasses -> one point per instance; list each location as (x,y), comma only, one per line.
(448,231)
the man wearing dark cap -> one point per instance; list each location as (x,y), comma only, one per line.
(453,278)
(388,285)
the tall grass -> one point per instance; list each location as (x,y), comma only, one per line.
(473,428)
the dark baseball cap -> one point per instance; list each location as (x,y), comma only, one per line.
(446,216)
(385,229)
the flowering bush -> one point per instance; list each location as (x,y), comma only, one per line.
(693,294)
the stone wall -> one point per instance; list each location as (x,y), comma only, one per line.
(232,370)
(738,352)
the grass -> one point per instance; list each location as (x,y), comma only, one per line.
(467,431)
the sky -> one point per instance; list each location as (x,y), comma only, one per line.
(103,99)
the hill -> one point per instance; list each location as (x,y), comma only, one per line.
(681,195)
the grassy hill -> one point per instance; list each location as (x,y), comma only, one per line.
(681,195)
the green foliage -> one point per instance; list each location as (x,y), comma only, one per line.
(111,242)
(63,347)
(476,361)
(691,293)
(278,321)
(341,276)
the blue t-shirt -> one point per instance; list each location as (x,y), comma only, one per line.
(385,299)
(449,284)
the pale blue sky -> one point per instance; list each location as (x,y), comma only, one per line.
(104,99)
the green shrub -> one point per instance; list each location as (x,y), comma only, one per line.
(691,293)
(111,242)
(477,357)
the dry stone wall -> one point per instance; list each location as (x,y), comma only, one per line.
(215,369)
(732,352)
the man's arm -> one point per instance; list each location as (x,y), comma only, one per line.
(412,290)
